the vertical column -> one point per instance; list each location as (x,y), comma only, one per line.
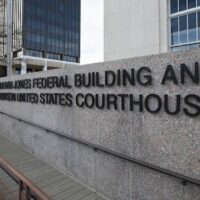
(45,65)
(23,66)
(9,36)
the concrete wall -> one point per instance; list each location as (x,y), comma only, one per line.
(171,142)
(2,28)
(135,28)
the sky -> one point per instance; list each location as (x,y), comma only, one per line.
(92,31)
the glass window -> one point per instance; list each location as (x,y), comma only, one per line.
(48,22)
(174,31)
(183,28)
(198,2)
(199,26)
(70,58)
(53,56)
(38,38)
(191,4)
(192,29)
(182,5)
(193,46)
(17,71)
(174,6)
(181,48)
(33,53)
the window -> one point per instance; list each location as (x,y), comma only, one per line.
(49,26)
(191,4)
(17,71)
(174,30)
(70,59)
(53,56)
(199,26)
(181,5)
(192,32)
(33,53)
(183,29)
(185,24)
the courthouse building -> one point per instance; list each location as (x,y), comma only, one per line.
(46,34)
(144,27)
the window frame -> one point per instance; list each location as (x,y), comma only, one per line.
(178,14)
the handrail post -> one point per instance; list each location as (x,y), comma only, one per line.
(26,187)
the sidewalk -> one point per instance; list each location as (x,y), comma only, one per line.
(55,184)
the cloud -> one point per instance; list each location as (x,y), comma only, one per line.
(92,31)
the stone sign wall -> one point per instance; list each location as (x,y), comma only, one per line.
(147,108)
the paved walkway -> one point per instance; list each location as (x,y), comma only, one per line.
(55,184)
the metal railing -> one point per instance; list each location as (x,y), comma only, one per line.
(184,179)
(27,190)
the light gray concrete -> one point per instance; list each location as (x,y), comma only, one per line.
(45,66)
(23,67)
(172,142)
(135,28)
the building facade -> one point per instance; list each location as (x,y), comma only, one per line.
(44,32)
(137,28)
(2,38)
